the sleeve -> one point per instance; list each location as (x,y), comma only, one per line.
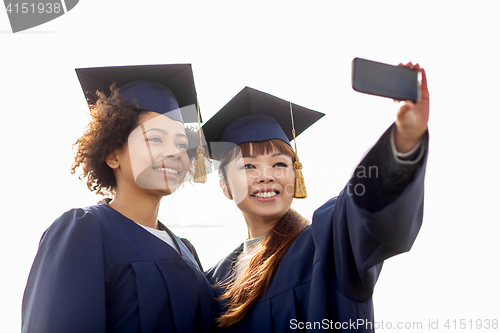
(411,157)
(381,177)
(65,291)
(355,232)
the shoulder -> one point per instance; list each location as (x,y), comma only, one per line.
(75,238)
(223,268)
(191,250)
(85,213)
(326,208)
(77,221)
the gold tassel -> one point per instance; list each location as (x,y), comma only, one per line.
(200,171)
(300,186)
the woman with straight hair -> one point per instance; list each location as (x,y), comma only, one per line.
(114,267)
(293,275)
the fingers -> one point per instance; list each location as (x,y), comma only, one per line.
(424,79)
(408,105)
(410,65)
(423,87)
(406,120)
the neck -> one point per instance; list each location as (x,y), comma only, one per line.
(142,209)
(258,226)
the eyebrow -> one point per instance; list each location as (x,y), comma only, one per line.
(273,155)
(164,132)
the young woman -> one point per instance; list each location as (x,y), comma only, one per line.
(113,267)
(291,275)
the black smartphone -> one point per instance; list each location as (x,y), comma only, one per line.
(376,78)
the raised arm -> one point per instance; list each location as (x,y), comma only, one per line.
(379,212)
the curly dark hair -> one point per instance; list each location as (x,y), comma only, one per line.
(112,121)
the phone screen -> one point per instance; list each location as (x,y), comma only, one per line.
(375,78)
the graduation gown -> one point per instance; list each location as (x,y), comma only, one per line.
(326,278)
(98,271)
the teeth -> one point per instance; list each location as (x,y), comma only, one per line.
(265,194)
(167,170)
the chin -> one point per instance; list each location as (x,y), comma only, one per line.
(153,181)
(269,213)
(165,192)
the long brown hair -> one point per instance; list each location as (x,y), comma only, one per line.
(245,291)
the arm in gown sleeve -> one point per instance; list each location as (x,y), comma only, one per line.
(66,285)
(376,216)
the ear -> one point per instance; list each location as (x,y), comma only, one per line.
(226,190)
(112,160)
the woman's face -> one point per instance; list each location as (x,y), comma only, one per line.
(157,151)
(262,186)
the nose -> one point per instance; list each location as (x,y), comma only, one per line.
(265,176)
(171,151)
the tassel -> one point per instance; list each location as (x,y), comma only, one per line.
(200,171)
(300,186)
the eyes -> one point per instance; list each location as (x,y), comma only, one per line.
(182,146)
(250,166)
(156,139)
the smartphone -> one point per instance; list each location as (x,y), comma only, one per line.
(376,78)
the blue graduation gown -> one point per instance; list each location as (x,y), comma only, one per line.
(98,271)
(326,278)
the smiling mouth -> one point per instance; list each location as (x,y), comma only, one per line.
(167,171)
(268,194)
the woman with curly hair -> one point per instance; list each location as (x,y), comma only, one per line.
(114,267)
(292,275)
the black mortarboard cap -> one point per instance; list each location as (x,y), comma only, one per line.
(252,116)
(160,88)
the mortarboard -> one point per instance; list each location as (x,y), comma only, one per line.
(253,115)
(158,88)
(165,89)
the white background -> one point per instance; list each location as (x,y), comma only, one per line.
(298,51)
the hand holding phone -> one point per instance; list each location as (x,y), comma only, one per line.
(412,118)
(375,78)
